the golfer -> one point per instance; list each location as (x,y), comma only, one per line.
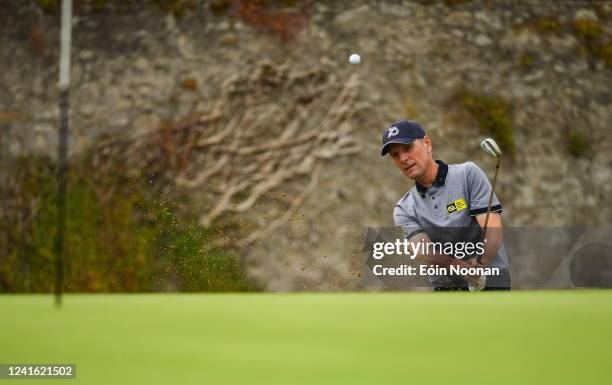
(447,204)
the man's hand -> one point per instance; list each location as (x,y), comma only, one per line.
(480,285)
(447,260)
(475,282)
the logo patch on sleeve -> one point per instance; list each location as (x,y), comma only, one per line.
(456,205)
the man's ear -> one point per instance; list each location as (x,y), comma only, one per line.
(427,142)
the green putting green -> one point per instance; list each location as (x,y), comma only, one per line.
(541,337)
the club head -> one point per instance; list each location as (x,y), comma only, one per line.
(490,147)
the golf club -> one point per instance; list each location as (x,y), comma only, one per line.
(490,147)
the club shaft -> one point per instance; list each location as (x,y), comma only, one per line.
(486,224)
(491,198)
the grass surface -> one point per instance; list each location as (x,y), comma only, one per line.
(359,338)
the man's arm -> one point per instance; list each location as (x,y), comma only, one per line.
(493,237)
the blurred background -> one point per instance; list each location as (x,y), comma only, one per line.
(228,145)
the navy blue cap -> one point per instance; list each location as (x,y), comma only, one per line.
(403,131)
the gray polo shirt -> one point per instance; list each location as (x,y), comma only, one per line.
(446,211)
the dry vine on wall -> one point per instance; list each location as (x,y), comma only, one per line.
(261,148)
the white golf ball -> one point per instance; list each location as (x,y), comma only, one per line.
(354,59)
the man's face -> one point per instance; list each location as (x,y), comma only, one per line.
(414,158)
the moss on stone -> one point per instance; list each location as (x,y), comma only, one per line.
(455,2)
(577,144)
(526,60)
(120,236)
(605,54)
(587,29)
(493,116)
(547,25)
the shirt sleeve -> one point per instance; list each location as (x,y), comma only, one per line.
(479,189)
(408,223)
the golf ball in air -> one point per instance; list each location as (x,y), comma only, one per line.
(354,59)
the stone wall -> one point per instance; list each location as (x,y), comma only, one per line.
(543,67)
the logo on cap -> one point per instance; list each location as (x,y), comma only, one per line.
(392,131)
